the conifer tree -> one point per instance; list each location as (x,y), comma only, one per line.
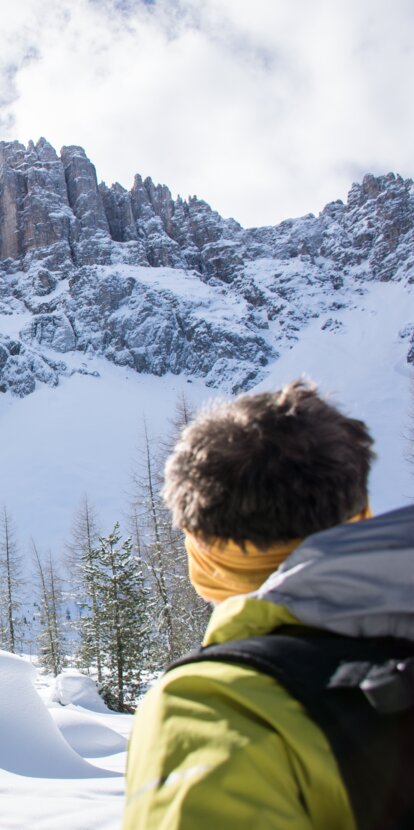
(124,632)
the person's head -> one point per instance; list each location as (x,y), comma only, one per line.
(268,467)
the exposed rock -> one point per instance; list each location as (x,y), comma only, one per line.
(4,356)
(82,188)
(34,209)
(332,325)
(18,377)
(51,330)
(408,334)
(44,282)
(161,284)
(118,209)
(161,249)
(222,260)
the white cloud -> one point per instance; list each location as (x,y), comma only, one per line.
(265,109)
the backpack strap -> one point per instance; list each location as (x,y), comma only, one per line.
(360,692)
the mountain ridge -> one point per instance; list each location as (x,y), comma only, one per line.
(161,285)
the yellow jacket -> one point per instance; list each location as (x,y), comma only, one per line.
(217,745)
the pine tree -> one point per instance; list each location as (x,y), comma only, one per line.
(121,597)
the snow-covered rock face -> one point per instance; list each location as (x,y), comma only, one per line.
(163,285)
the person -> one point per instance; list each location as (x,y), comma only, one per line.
(271,491)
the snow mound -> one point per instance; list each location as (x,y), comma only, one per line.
(86,735)
(31,743)
(73,687)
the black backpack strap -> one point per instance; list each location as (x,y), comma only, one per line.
(341,681)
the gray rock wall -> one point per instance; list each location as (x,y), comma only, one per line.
(71,252)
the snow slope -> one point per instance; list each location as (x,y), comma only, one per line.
(84,435)
(81,436)
(360,362)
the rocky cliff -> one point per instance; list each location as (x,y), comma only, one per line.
(160,285)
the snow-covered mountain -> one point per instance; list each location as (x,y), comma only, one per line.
(112,302)
(161,286)
(112,305)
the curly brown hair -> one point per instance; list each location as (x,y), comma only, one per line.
(269,467)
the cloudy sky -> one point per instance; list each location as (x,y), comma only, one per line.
(266,109)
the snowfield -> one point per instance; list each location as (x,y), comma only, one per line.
(84,436)
(61,766)
(359,361)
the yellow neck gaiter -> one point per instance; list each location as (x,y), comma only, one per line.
(220,568)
